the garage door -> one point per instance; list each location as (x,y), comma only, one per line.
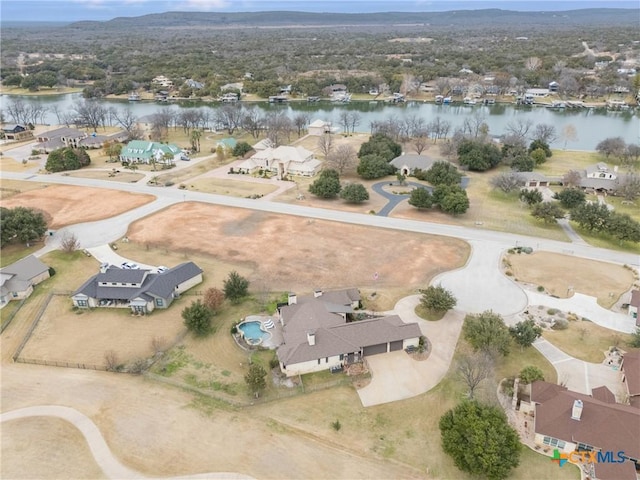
(375,349)
(396,346)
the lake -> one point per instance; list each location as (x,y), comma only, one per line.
(592,125)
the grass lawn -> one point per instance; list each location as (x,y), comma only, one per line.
(15,251)
(621,206)
(429,314)
(41,91)
(564,160)
(586,340)
(234,188)
(604,240)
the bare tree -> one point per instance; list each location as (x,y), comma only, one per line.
(519,128)
(279,126)
(354,120)
(343,158)
(475,126)
(545,133)
(230,116)
(442,86)
(532,63)
(569,134)
(158,344)
(111,360)
(629,187)
(17,110)
(253,121)
(420,141)
(506,181)
(473,368)
(344,121)
(325,144)
(69,243)
(126,119)
(301,120)
(572,178)
(91,113)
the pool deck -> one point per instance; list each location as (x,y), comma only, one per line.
(275,339)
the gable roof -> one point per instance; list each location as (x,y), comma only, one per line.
(413,161)
(608,426)
(603,394)
(25,269)
(145,149)
(635,299)
(631,367)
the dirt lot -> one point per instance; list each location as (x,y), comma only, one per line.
(556,273)
(285,249)
(66,205)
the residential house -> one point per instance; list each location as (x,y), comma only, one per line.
(228,144)
(139,290)
(600,170)
(533,179)
(600,178)
(634,306)
(142,151)
(282,161)
(537,92)
(630,368)
(16,132)
(317,333)
(17,280)
(319,127)
(162,81)
(408,164)
(229,97)
(553,87)
(71,137)
(336,88)
(571,421)
(232,86)
(191,83)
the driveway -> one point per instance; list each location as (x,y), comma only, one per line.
(578,375)
(480,284)
(396,376)
(110,465)
(105,254)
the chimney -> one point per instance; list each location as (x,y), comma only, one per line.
(293,299)
(311,338)
(576,411)
(317,293)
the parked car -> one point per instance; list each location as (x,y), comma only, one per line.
(130,266)
(162,269)
(184,158)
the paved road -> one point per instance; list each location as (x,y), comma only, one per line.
(110,465)
(172,195)
(394,199)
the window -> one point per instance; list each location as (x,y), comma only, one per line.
(139,308)
(554,442)
(318,361)
(159,302)
(82,303)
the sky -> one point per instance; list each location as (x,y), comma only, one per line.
(75,10)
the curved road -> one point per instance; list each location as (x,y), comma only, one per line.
(112,229)
(109,464)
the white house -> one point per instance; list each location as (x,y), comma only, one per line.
(318,336)
(319,128)
(600,170)
(282,161)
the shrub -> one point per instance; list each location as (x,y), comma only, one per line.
(560,324)
(274,363)
(552,311)
(52,271)
(336,425)
(540,288)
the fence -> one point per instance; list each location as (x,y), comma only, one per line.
(13,314)
(51,363)
(33,326)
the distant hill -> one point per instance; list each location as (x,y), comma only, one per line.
(462,18)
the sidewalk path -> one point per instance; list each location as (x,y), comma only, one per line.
(110,465)
(571,233)
(578,375)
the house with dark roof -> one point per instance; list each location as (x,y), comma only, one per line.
(139,290)
(319,335)
(17,280)
(574,422)
(16,132)
(70,137)
(533,180)
(630,368)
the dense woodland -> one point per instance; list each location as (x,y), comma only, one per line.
(311,51)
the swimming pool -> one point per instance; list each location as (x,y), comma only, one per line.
(252,332)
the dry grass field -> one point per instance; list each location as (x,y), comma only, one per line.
(123,176)
(232,187)
(66,205)
(556,273)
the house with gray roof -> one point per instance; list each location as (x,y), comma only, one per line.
(139,290)
(17,280)
(71,137)
(319,332)
(408,164)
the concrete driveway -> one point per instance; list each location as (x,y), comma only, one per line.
(105,254)
(578,375)
(396,376)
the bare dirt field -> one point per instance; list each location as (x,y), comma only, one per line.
(32,438)
(84,336)
(556,273)
(66,205)
(298,253)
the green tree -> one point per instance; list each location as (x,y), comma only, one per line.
(480,440)
(374,166)
(241,149)
(67,158)
(530,197)
(455,203)
(113,150)
(437,298)
(382,146)
(55,162)
(197,318)
(487,332)
(523,163)
(443,173)
(623,227)
(530,374)
(570,197)
(327,185)
(478,156)
(547,211)
(354,193)
(255,379)
(591,216)
(540,145)
(525,332)
(22,223)
(538,156)
(235,287)
(420,198)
